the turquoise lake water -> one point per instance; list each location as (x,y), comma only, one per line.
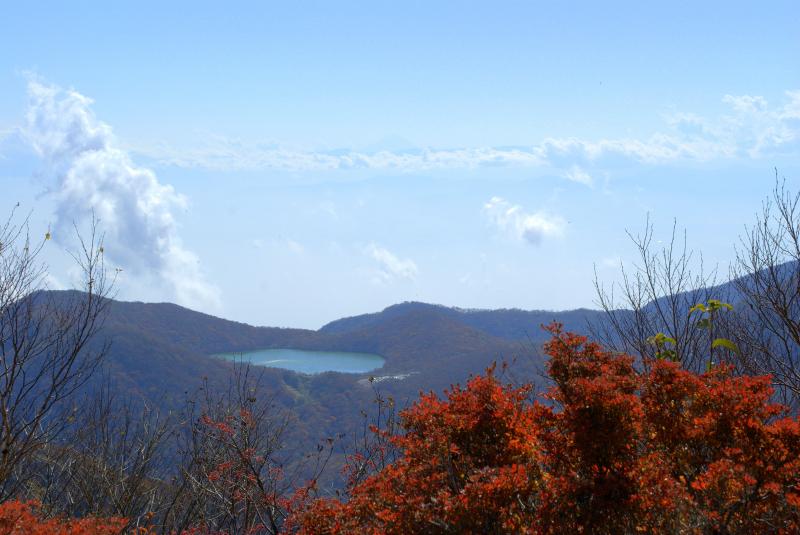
(303,361)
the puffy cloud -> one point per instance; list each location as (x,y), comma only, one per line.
(390,267)
(531,227)
(91,173)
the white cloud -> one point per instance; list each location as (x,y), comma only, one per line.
(91,173)
(750,129)
(531,227)
(391,267)
(577,174)
(791,111)
(51,282)
(745,103)
(227,155)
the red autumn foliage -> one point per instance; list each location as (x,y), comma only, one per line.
(25,518)
(239,475)
(613,449)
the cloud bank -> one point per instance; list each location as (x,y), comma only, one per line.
(533,228)
(89,172)
(751,128)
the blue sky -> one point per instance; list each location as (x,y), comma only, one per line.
(288,164)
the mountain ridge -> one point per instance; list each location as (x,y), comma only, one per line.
(508,323)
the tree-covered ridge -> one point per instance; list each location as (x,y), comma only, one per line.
(509,324)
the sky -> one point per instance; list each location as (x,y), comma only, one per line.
(291,163)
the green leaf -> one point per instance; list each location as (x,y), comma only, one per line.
(716,304)
(699,307)
(727,344)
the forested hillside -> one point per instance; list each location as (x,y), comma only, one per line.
(511,324)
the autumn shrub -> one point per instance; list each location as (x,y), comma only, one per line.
(611,448)
(26,518)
